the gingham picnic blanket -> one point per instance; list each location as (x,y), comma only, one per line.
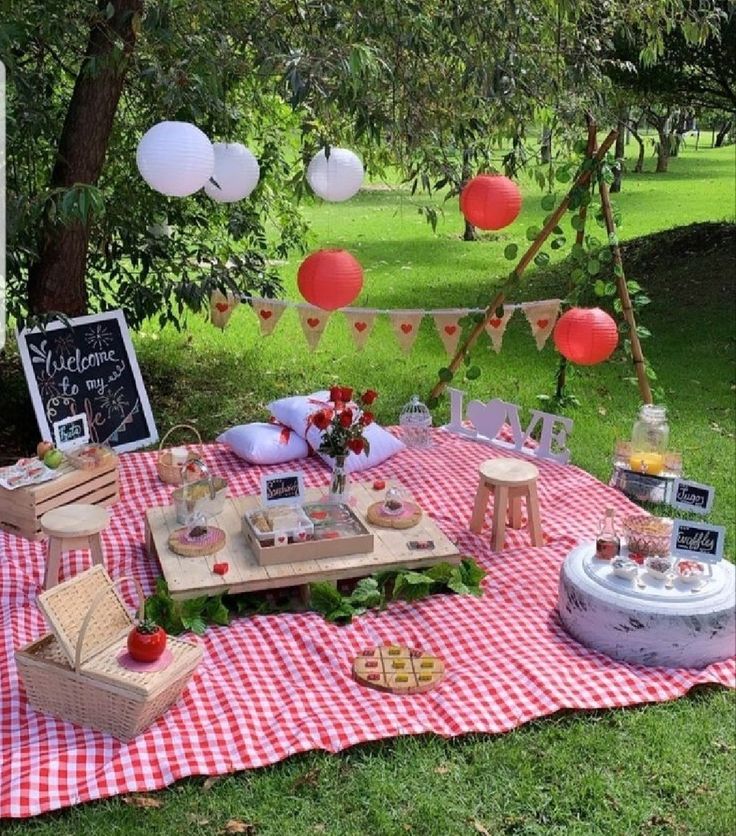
(271,686)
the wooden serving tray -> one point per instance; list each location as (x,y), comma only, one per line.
(310,549)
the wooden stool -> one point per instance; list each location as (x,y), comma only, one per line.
(510,481)
(72,527)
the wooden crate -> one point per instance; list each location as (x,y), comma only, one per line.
(311,549)
(21,510)
(190,577)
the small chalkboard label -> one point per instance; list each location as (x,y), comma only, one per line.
(697,540)
(692,496)
(282,489)
(71,432)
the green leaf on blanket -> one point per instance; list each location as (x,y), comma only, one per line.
(373,592)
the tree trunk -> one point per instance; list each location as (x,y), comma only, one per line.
(663,150)
(56,281)
(469,232)
(623,118)
(723,133)
(618,170)
(545,149)
(639,167)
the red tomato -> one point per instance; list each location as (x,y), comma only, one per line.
(146,647)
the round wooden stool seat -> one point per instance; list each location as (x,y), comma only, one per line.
(510,481)
(509,472)
(72,527)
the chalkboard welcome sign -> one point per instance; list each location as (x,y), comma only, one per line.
(88,367)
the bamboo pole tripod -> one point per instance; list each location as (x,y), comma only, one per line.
(593,158)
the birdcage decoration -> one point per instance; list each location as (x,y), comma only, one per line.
(416,423)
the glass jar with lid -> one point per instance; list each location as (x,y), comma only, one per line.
(416,423)
(649,440)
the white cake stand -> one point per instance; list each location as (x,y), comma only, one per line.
(645,620)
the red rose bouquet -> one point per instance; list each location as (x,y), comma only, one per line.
(342,424)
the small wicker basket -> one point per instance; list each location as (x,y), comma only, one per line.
(73,672)
(168,470)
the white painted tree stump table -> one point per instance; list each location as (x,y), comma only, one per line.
(648,622)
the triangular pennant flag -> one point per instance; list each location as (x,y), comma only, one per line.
(542,317)
(221,308)
(360,325)
(313,322)
(406,327)
(449,329)
(269,313)
(496,326)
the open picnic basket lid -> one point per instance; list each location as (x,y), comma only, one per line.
(66,608)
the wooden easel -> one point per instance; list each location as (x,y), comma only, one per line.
(593,157)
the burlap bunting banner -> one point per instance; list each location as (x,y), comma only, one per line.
(222,307)
(449,329)
(496,327)
(314,322)
(542,317)
(406,327)
(360,325)
(269,313)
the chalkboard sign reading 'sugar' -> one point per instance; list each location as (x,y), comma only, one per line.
(88,367)
(692,496)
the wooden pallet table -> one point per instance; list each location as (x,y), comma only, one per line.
(191,577)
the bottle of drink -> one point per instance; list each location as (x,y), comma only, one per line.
(607,543)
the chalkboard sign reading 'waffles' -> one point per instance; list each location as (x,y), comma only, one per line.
(88,368)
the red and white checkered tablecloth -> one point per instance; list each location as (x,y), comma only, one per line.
(271,686)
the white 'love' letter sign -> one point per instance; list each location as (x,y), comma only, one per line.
(489,419)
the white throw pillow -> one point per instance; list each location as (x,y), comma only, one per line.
(383,446)
(296,411)
(265,443)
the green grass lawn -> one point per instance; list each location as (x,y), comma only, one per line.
(655,769)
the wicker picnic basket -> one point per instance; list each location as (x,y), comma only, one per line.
(73,672)
(168,471)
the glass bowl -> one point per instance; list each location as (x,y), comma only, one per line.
(648,536)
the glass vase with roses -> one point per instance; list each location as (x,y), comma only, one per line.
(342,424)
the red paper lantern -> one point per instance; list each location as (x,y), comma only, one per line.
(586,336)
(330,279)
(490,201)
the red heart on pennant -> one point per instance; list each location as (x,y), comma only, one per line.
(495,323)
(361,326)
(222,306)
(542,323)
(266,314)
(312,322)
(450,330)
(407,327)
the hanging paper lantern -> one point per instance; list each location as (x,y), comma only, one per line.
(175,158)
(236,173)
(585,336)
(490,201)
(330,279)
(337,177)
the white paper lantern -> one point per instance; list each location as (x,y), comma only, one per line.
(236,173)
(336,178)
(175,158)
